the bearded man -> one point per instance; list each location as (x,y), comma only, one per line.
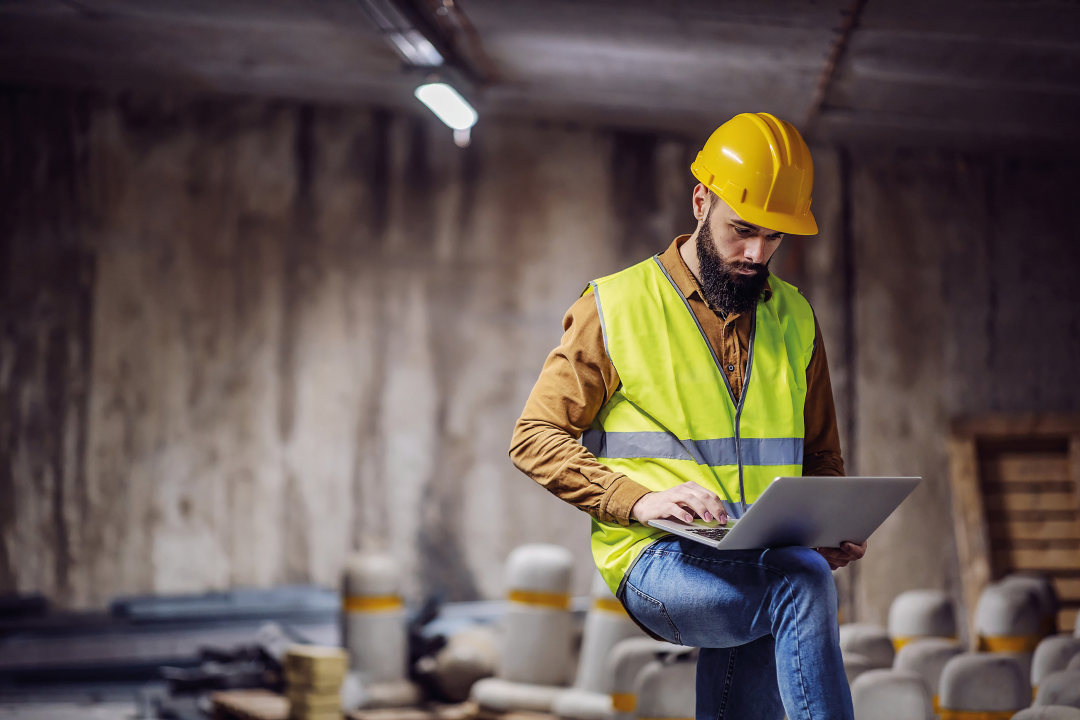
(692,380)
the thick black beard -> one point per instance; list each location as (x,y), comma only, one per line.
(722,286)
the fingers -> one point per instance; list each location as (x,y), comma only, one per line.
(677,512)
(713,508)
(856,552)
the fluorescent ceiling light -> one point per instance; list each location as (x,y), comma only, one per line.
(450,107)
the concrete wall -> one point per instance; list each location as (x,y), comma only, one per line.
(954,282)
(241,338)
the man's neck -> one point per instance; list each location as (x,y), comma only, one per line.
(688,252)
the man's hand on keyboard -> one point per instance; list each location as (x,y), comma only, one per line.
(681,502)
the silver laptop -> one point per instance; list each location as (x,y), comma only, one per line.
(806,511)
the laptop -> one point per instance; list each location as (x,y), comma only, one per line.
(803,511)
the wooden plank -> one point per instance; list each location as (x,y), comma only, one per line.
(1067,619)
(1054,559)
(1067,589)
(1020,530)
(1030,501)
(1029,467)
(969,521)
(249,705)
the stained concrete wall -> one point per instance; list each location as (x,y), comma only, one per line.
(953,278)
(241,338)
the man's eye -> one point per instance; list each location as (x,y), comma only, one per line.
(774,238)
(741,230)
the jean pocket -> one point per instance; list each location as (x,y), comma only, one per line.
(651,613)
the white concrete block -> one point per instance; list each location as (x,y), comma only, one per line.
(468,656)
(626,661)
(504,695)
(1051,655)
(374,618)
(870,641)
(891,695)
(985,682)
(927,657)
(1060,688)
(1048,712)
(666,690)
(538,624)
(855,665)
(921,613)
(576,704)
(1044,590)
(1008,617)
(606,625)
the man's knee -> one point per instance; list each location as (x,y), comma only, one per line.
(804,566)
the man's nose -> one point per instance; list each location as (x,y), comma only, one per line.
(755,251)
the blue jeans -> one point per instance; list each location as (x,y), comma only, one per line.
(765,621)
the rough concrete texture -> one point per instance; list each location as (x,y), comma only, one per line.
(964,302)
(244,338)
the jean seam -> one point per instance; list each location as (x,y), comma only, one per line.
(663,611)
(727,683)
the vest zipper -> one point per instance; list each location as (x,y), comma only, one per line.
(739,407)
(719,366)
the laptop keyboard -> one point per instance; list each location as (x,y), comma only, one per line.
(716,533)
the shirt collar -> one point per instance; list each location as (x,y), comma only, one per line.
(684,279)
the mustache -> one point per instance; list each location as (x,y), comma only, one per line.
(756,268)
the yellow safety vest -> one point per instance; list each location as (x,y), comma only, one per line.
(674,417)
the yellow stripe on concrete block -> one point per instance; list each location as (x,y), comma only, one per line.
(372,603)
(1009,643)
(610,605)
(899,642)
(539,598)
(623,702)
(947,714)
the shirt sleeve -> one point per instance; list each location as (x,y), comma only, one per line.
(576,381)
(821,447)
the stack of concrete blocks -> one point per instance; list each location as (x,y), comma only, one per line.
(1048,712)
(625,663)
(538,629)
(864,647)
(375,632)
(891,695)
(1061,687)
(926,657)
(313,677)
(992,684)
(606,625)
(1052,655)
(666,689)
(1009,621)
(921,614)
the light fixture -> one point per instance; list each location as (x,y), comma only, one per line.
(451,108)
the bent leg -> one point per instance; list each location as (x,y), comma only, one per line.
(694,595)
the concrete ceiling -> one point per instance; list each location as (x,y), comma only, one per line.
(914,71)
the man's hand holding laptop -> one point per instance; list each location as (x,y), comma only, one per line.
(684,502)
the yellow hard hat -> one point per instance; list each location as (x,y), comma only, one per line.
(761,167)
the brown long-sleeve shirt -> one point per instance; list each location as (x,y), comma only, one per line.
(578,378)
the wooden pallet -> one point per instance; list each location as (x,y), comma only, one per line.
(1016,503)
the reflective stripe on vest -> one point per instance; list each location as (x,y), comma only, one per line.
(674,418)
